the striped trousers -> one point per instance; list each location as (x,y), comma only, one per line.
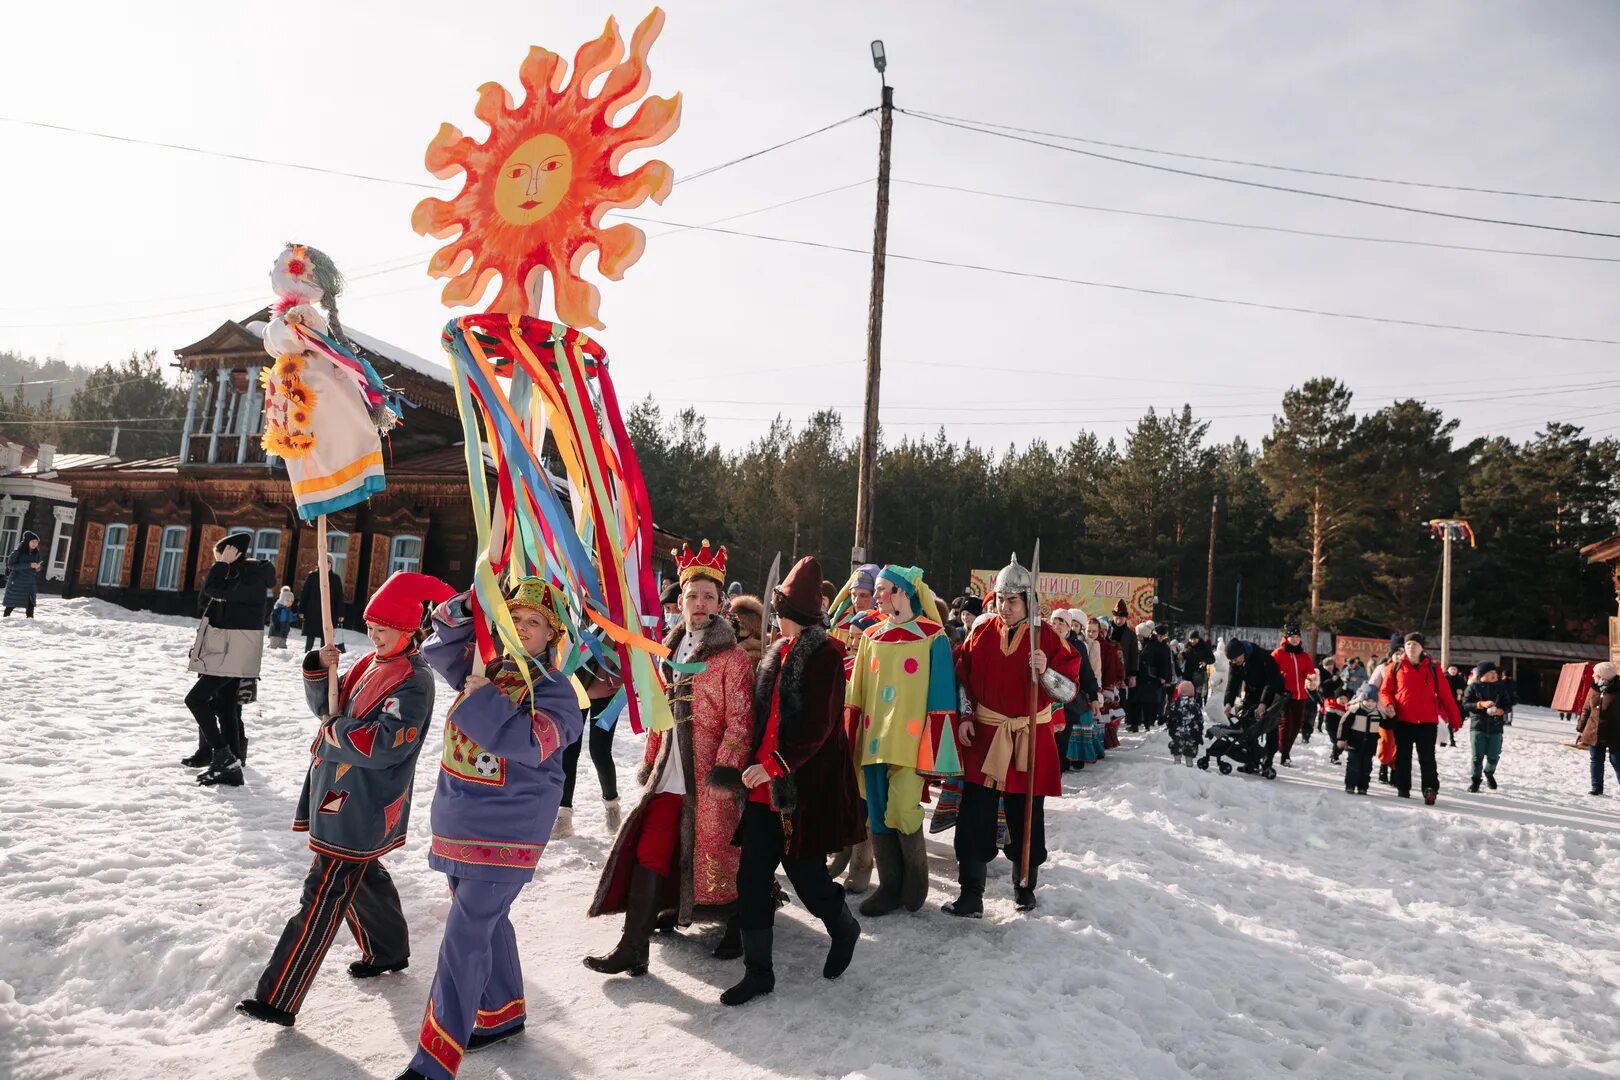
(335,891)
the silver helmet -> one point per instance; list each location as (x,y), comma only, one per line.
(1014,580)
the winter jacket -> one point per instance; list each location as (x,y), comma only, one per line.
(1113,664)
(1474,698)
(501,772)
(1361,725)
(22,580)
(1599,724)
(356,800)
(1156,668)
(1419,694)
(309,597)
(1355,677)
(1130,650)
(800,740)
(1186,722)
(230,637)
(1196,659)
(1257,681)
(1296,666)
(1331,684)
(281,619)
(1089,687)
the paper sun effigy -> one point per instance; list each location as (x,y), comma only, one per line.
(532,202)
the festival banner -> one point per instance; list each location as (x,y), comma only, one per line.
(1372,650)
(1094,594)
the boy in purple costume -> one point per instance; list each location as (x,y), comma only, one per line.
(500,783)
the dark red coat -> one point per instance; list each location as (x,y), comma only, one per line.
(816,790)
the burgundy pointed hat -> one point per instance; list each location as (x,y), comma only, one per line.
(799,596)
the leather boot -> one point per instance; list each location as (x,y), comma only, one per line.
(914,886)
(629,957)
(731,942)
(1025,894)
(891,872)
(758,978)
(199,757)
(223,768)
(845,933)
(860,868)
(970,905)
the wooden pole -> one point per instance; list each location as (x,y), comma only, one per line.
(326,613)
(1029,754)
(1209,580)
(865,477)
(1445,599)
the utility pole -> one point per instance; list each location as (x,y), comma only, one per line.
(1447,529)
(866,477)
(1209,581)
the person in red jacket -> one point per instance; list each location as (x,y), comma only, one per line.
(1296,666)
(1416,697)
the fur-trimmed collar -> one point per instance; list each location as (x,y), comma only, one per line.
(790,660)
(718,636)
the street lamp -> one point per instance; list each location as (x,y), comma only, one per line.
(880,60)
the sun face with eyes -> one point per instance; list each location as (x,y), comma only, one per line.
(537,188)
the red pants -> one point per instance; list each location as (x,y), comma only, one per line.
(660,833)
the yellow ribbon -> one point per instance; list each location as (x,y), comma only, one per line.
(1011,738)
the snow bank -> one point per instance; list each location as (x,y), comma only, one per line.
(1190,924)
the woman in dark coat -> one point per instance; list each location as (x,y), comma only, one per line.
(802,800)
(22,575)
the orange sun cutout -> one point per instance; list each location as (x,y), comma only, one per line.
(537,189)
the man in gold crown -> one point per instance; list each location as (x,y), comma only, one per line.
(674,850)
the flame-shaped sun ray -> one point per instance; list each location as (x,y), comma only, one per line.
(536,190)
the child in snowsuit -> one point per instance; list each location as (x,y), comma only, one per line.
(281,618)
(1486,702)
(357,800)
(1359,730)
(1186,723)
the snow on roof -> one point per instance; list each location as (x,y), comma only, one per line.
(388,351)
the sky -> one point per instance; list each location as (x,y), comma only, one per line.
(116,246)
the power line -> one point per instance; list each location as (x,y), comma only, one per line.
(763,209)
(1276,168)
(1256,183)
(769,149)
(1059,279)
(1260,228)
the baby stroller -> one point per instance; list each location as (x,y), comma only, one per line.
(1242,740)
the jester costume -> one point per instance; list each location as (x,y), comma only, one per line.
(500,782)
(899,708)
(994,666)
(854,611)
(356,804)
(674,851)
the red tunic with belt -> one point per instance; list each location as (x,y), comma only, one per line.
(993,670)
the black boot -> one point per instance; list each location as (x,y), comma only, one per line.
(362,970)
(199,758)
(731,942)
(240,750)
(479,1040)
(268,1013)
(1490,780)
(1473,785)
(890,871)
(758,978)
(1025,894)
(970,905)
(845,931)
(1383,774)
(223,768)
(629,957)
(410,1074)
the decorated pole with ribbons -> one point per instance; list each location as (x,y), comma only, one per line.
(325,407)
(1034,603)
(533,197)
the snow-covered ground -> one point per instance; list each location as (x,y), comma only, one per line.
(1190,923)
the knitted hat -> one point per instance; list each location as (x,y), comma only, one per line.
(1290,629)
(973,606)
(799,596)
(1415,636)
(398,603)
(1143,629)
(241,541)
(1483,668)
(286,592)
(1234,649)
(1605,671)
(866,576)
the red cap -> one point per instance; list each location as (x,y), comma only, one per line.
(398,604)
(799,597)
